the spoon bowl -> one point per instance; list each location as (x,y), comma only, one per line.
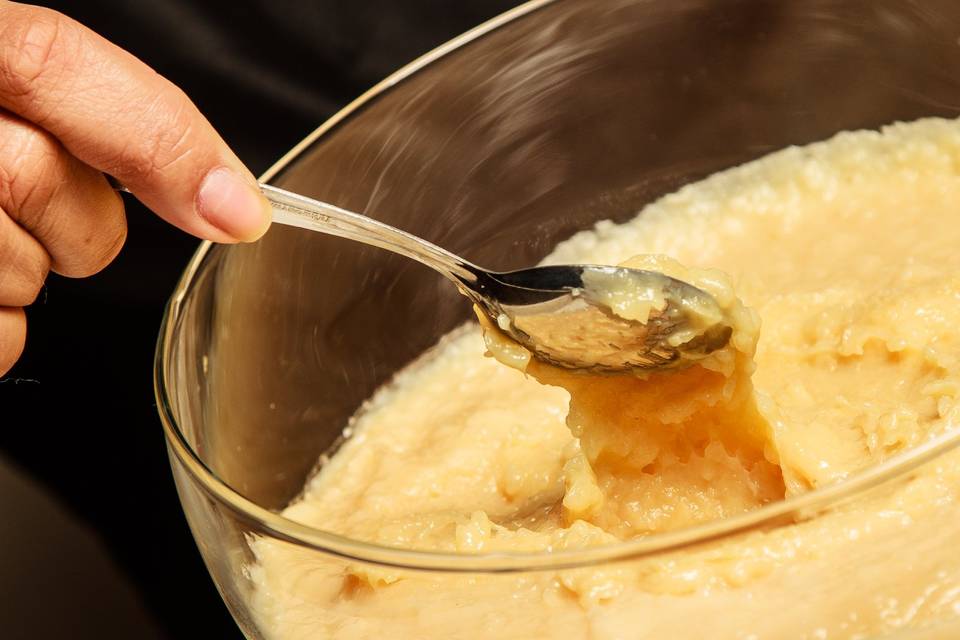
(568,316)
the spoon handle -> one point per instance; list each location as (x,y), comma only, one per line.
(294,210)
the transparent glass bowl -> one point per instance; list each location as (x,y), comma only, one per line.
(498,145)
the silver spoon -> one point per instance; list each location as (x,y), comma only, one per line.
(558,313)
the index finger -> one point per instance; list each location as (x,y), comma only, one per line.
(116,114)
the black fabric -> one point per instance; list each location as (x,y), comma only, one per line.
(78,409)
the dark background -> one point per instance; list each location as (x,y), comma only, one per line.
(99,546)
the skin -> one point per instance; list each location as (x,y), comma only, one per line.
(74,107)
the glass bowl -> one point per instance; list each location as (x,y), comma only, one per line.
(498,145)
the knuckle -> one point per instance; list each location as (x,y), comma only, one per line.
(35,43)
(32,168)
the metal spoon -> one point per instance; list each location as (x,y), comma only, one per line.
(559,313)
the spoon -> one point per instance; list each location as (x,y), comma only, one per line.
(565,315)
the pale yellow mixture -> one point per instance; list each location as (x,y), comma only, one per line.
(849,252)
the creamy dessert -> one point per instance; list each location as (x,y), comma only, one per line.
(846,252)
(664,448)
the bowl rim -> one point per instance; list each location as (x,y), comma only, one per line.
(772,516)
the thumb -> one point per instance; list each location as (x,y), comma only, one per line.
(119,116)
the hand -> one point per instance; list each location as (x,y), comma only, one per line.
(72,105)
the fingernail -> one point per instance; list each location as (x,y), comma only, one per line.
(232,204)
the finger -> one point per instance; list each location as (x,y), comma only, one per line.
(13,335)
(24,265)
(65,204)
(117,115)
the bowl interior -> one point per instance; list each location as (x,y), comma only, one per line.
(575,112)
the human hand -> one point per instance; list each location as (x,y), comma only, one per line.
(72,107)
